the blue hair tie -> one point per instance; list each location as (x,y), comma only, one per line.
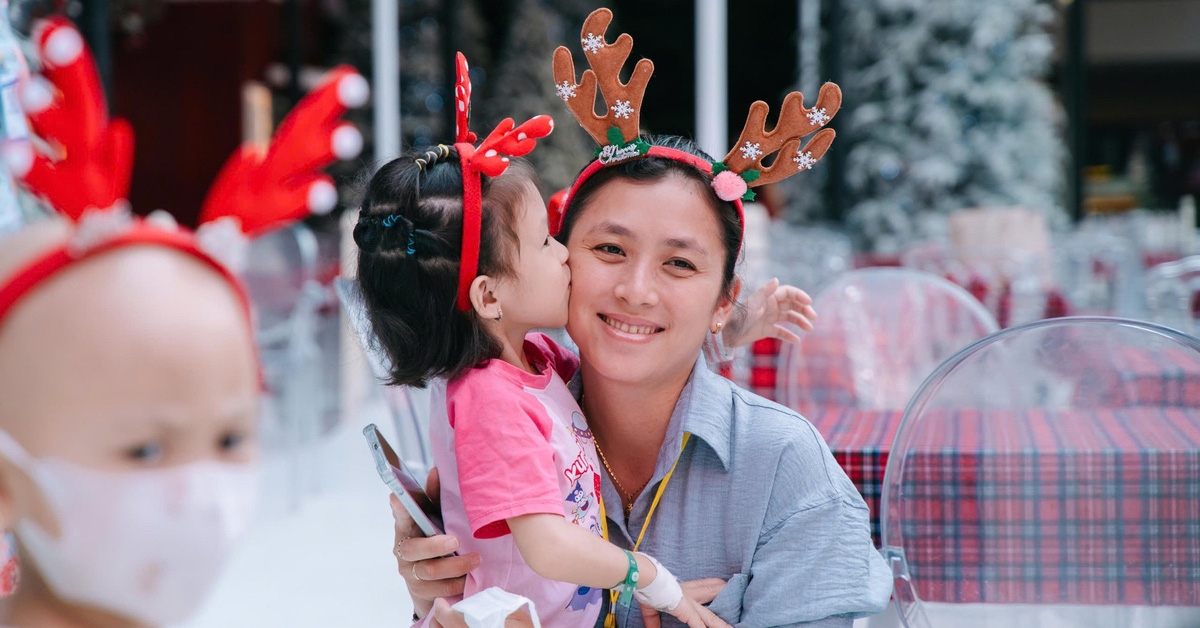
(411,250)
(389,220)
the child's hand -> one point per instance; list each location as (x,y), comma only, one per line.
(664,593)
(423,562)
(446,617)
(767,310)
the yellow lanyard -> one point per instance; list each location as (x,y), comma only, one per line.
(611,620)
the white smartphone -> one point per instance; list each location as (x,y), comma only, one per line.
(403,484)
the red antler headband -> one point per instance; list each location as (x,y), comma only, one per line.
(617,131)
(486,159)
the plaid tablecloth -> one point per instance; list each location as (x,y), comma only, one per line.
(1008,506)
(1130,376)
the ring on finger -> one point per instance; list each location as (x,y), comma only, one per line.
(400,548)
(414,573)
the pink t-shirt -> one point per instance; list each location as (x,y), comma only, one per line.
(510,443)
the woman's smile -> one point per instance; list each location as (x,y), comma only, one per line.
(632,329)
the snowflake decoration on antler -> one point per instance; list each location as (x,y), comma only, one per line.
(622,109)
(804,160)
(565,90)
(751,151)
(818,117)
(592,43)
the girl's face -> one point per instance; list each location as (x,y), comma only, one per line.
(647,262)
(537,295)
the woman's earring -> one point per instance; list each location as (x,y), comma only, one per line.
(500,315)
(10,568)
(719,326)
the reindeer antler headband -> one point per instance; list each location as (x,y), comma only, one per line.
(486,159)
(617,131)
(86,174)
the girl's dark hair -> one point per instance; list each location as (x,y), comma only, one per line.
(653,169)
(409,235)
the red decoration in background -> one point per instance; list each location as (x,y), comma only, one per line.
(92,159)
(284,183)
(554,210)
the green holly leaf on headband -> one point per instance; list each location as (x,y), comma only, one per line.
(751,176)
(642,146)
(748,196)
(718,167)
(615,137)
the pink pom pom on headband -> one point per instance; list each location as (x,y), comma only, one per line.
(617,131)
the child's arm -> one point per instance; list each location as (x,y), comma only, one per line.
(559,550)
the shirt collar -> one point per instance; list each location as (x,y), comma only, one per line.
(703,410)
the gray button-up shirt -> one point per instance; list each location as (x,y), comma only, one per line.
(756,499)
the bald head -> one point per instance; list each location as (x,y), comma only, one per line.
(140,345)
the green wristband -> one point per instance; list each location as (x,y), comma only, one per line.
(630,584)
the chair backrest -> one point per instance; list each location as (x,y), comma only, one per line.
(809,257)
(1098,271)
(1172,293)
(1012,283)
(1025,486)
(881,331)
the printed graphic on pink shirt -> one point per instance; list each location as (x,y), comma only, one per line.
(509,443)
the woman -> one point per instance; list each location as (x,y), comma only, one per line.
(755,498)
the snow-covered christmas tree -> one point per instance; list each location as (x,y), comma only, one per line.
(946,107)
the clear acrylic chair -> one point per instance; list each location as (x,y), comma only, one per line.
(881,331)
(1172,293)
(809,257)
(408,407)
(282,278)
(1012,283)
(1098,271)
(1024,489)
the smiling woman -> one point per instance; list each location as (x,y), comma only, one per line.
(712,480)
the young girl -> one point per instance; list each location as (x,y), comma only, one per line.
(456,267)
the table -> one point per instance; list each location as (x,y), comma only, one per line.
(1011,506)
(1129,375)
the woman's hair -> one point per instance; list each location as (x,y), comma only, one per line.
(409,235)
(653,169)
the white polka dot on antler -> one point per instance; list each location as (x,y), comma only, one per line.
(346,142)
(18,156)
(322,197)
(353,91)
(490,153)
(63,47)
(38,95)
(521,136)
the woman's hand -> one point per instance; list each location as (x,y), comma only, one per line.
(691,609)
(428,572)
(766,311)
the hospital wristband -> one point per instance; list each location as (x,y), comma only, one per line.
(629,585)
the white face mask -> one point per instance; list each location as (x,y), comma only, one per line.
(147,545)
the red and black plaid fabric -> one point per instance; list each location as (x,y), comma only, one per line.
(1027,506)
